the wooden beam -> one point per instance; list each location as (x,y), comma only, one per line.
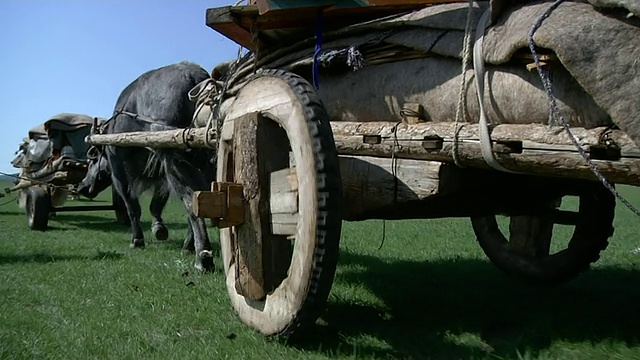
(541,150)
(166,139)
(534,149)
(373,183)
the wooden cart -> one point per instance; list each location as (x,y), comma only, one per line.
(52,161)
(288,174)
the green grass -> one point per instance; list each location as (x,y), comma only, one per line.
(78,292)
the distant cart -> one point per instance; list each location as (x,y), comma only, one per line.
(52,161)
(354,110)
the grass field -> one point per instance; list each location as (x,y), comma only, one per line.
(78,292)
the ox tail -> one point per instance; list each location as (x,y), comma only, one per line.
(181,171)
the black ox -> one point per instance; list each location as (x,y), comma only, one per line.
(156,100)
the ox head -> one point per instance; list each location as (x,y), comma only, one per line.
(98,175)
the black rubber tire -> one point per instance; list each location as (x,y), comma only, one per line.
(120,209)
(590,237)
(38,208)
(316,274)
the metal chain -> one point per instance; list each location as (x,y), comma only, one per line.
(556,111)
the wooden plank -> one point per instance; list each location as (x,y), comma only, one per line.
(284,224)
(237,22)
(284,180)
(269,5)
(209,204)
(249,235)
(224,21)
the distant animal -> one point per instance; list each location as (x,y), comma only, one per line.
(156,100)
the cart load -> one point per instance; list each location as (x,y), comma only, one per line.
(52,160)
(349,110)
(53,148)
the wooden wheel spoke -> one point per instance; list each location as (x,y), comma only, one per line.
(284,202)
(530,235)
(564,217)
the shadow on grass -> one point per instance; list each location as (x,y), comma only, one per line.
(468,309)
(105,224)
(44,258)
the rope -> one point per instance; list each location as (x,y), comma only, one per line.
(319,30)
(462,98)
(394,173)
(9,202)
(219,96)
(556,111)
(404,112)
(35,181)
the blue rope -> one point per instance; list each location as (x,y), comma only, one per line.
(319,31)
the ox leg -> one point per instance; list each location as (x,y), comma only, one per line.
(158,202)
(202,245)
(189,241)
(132,204)
(184,179)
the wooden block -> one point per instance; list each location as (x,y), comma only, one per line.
(371,139)
(285,202)
(532,66)
(284,224)
(235,206)
(432,142)
(209,204)
(283,181)
(412,113)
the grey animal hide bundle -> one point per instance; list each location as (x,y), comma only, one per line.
(597,82)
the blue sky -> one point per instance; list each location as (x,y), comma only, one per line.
(76,56)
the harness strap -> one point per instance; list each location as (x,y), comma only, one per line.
(478,68)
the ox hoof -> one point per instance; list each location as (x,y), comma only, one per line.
(204,262)
(160,231)
(137,244)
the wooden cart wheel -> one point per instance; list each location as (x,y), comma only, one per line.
(38,206)
(527,254)
(280,262)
